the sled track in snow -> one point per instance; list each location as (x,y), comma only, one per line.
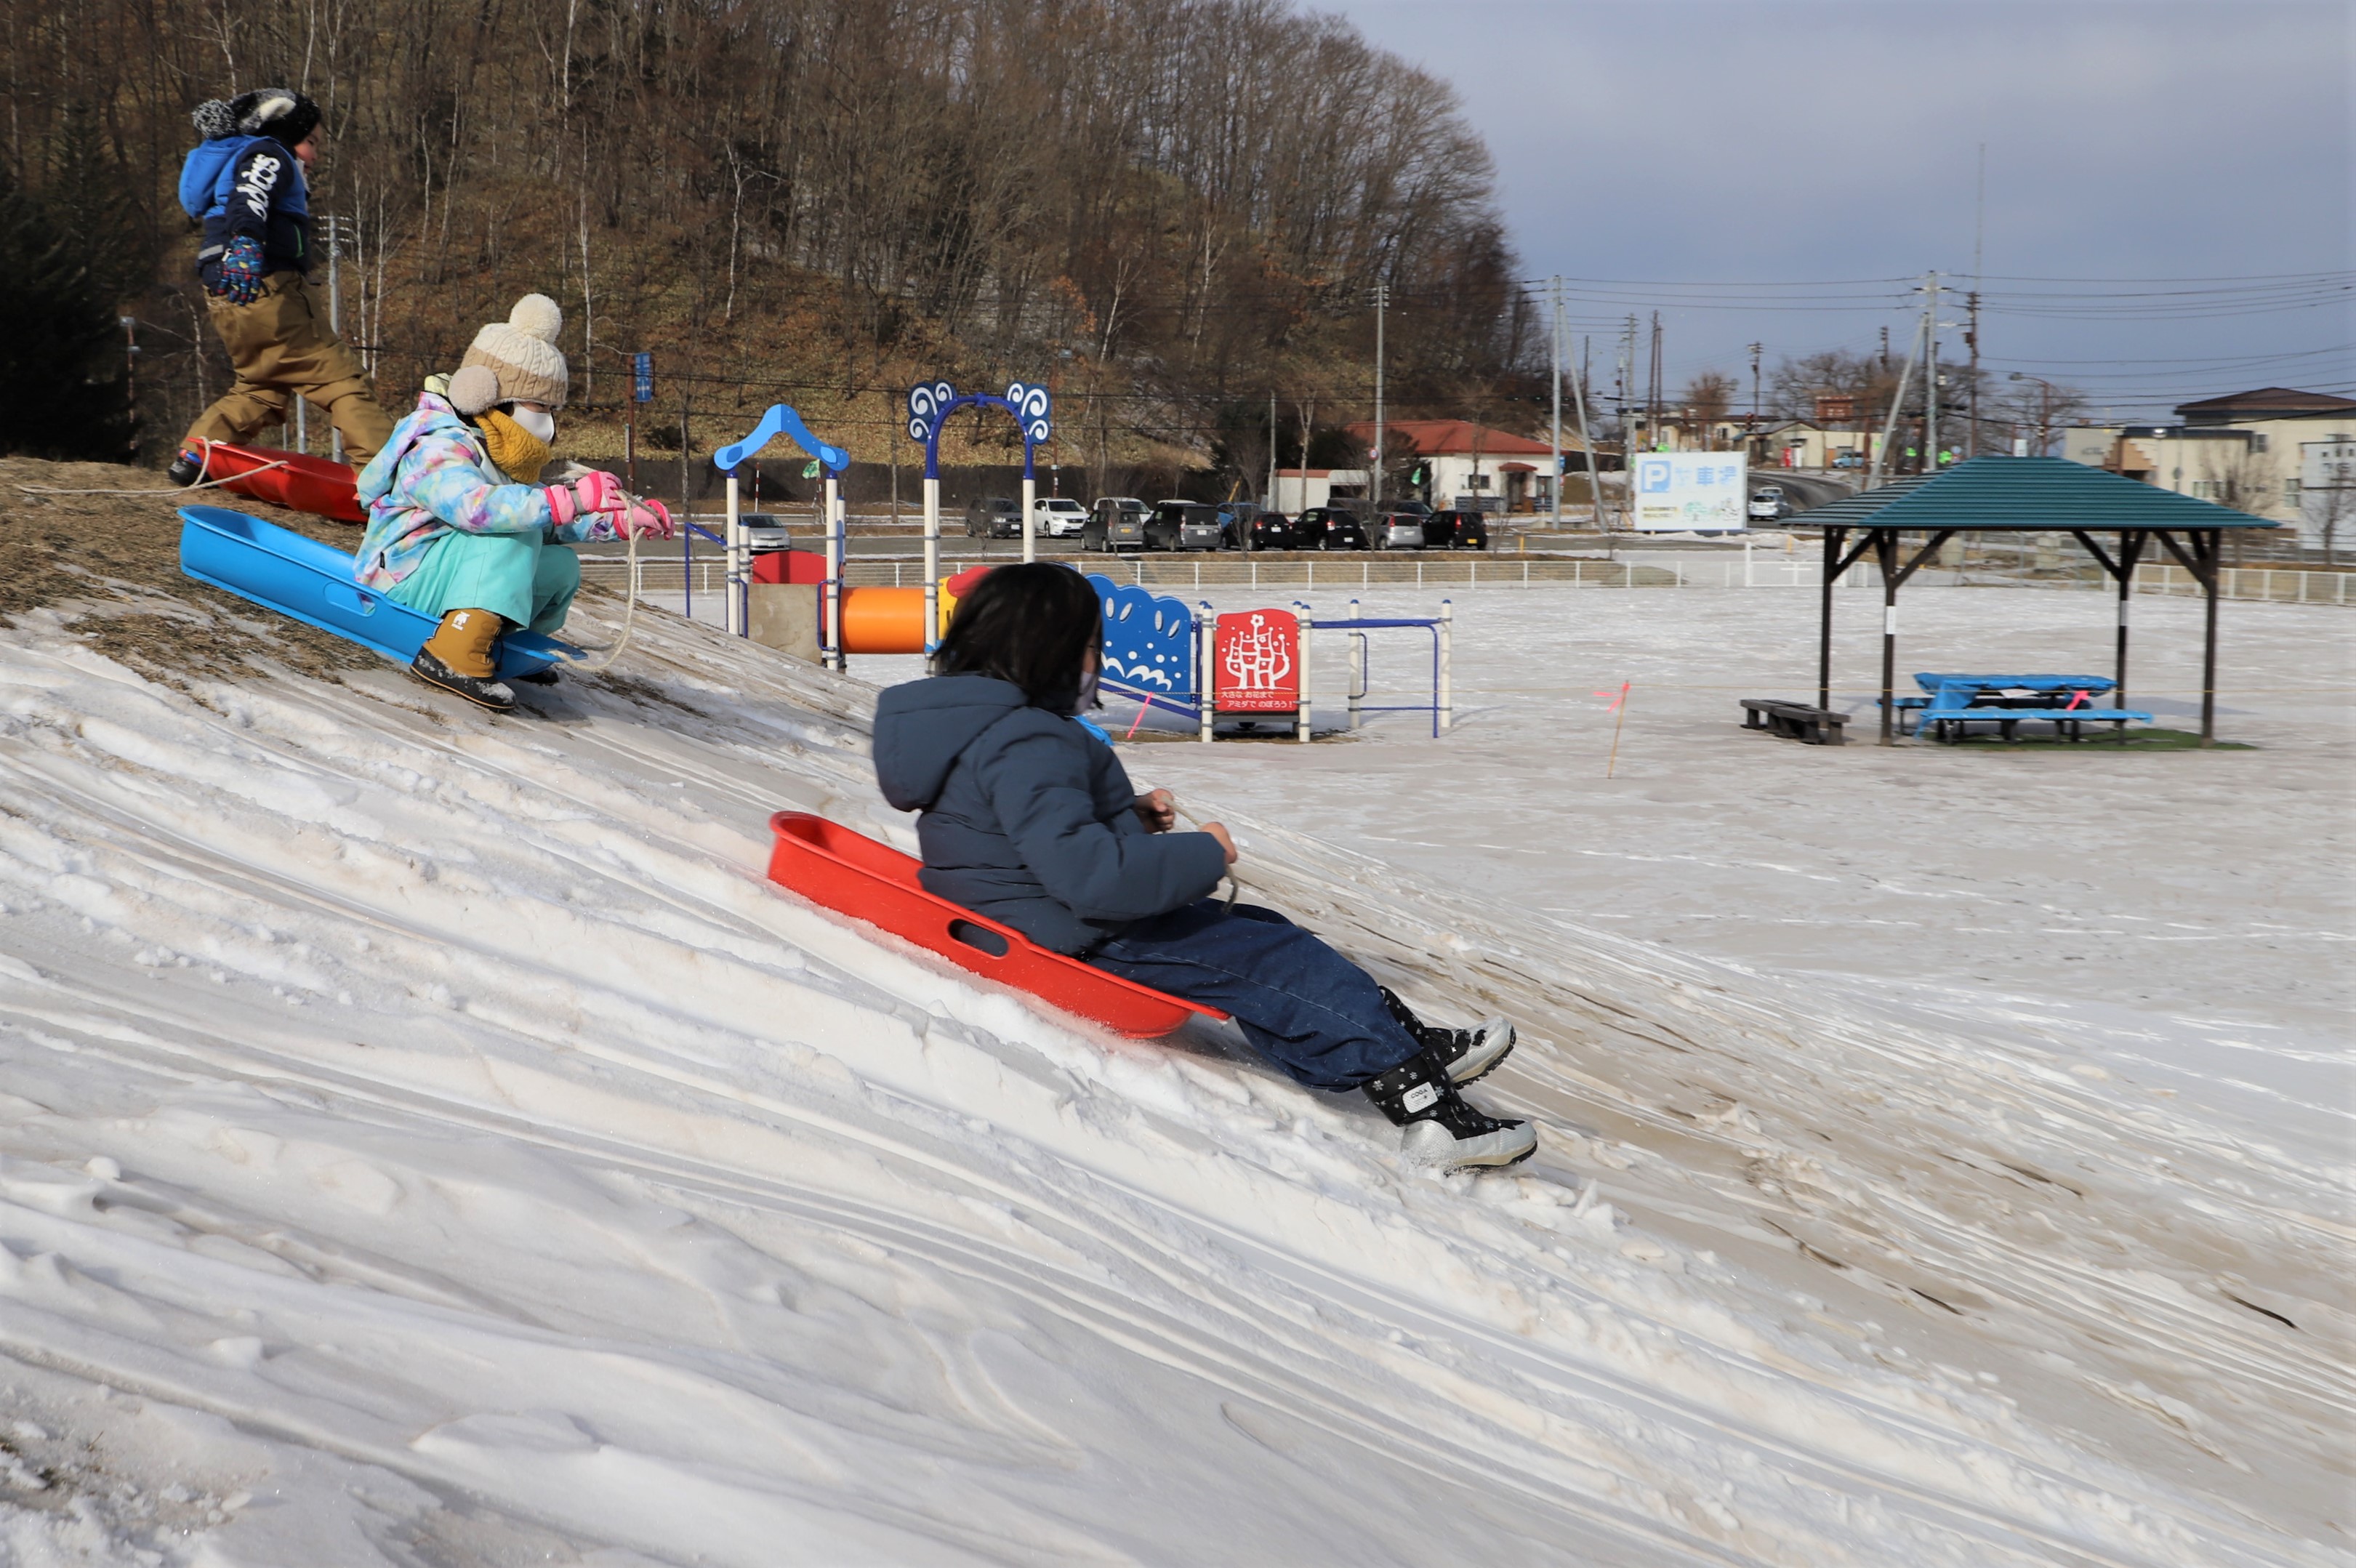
(1658,1052)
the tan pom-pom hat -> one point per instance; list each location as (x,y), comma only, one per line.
(521,353)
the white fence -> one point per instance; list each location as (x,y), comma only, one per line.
(1659,570)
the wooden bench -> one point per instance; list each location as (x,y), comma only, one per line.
(1802,721)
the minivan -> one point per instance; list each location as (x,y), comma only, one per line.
(1114,523)
(1183,525)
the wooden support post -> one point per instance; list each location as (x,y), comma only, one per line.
(2207,547)
(2130,551)
(1885,548)
(1833,537)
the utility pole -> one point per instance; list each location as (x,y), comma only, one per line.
(1972,327)
(1653,387)
(1555,483)
(1271,458)
(1382,300)
(1751,424)
(1931,375)
(1626,390)
(1586,439)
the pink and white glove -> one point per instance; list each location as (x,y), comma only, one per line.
(646,520)
(594,491)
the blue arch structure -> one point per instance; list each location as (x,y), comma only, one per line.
(781,421)
(930,404)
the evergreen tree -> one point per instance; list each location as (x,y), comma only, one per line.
(61,366)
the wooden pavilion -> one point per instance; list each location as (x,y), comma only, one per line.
(2019,495)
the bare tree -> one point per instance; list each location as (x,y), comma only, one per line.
(2326,506)
(1708,397)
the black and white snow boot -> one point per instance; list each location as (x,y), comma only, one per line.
(186,469)
(484,693)
(1438,1127)
(1467,1054)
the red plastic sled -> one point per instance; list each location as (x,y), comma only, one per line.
(852,875)
(304,484)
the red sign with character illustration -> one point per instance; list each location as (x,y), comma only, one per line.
(1258,662)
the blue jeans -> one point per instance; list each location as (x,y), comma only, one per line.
(1304,1007)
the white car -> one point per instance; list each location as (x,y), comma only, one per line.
(1058,517)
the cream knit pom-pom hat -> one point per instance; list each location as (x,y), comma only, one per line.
(521,353)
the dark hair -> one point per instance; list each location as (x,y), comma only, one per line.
(1029,626)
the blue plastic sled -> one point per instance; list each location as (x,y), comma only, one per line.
(281,570)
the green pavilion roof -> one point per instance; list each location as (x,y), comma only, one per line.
(2038,494)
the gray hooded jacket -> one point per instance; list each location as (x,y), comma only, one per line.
(1027,817)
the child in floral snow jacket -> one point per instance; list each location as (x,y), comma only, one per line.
(452,533)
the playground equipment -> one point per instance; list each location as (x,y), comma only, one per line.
(284,479)
(283,571)
(1156,651)
(852,875)
(781,419)
(929,407)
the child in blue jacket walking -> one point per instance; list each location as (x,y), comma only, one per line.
(249,183)
(1030,819)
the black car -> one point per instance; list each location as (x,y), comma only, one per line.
(1273,530)
(1328,528)
(994,517)
(1456,530)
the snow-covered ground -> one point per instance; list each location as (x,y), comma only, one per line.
(426,1138)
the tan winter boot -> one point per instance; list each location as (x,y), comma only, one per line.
(459,658)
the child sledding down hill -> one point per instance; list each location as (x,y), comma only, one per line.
(459,524)
(1031,819)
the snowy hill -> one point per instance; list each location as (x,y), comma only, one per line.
(428,1139)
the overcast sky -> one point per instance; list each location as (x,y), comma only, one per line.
(1802,141)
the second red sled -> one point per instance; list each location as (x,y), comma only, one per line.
(852,875)
(290,479)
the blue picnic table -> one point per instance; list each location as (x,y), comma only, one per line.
(1952,702)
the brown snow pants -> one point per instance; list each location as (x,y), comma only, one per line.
(283,350)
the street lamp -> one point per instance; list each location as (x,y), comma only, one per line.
(2045,401)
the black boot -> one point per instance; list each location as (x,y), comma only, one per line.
(1467,1054)
(1438,1126)
(186,469)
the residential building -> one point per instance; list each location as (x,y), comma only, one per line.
(1797,443)
(2245,450)
(1472,465)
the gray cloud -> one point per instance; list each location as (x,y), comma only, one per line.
(1773,140)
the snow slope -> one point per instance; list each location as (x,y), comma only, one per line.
(427,1138)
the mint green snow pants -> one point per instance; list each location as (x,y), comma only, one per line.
(518,575)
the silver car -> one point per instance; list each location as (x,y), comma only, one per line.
(1397,531)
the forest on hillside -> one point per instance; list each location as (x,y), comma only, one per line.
(1170,210)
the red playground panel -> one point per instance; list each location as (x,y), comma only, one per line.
(1257,663)
(315,485)
(852,875)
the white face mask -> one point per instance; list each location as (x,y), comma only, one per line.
(541,426)
(1089,676)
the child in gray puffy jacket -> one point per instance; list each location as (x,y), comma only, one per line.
(1031,819)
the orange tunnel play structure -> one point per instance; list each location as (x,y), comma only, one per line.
(883,620)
